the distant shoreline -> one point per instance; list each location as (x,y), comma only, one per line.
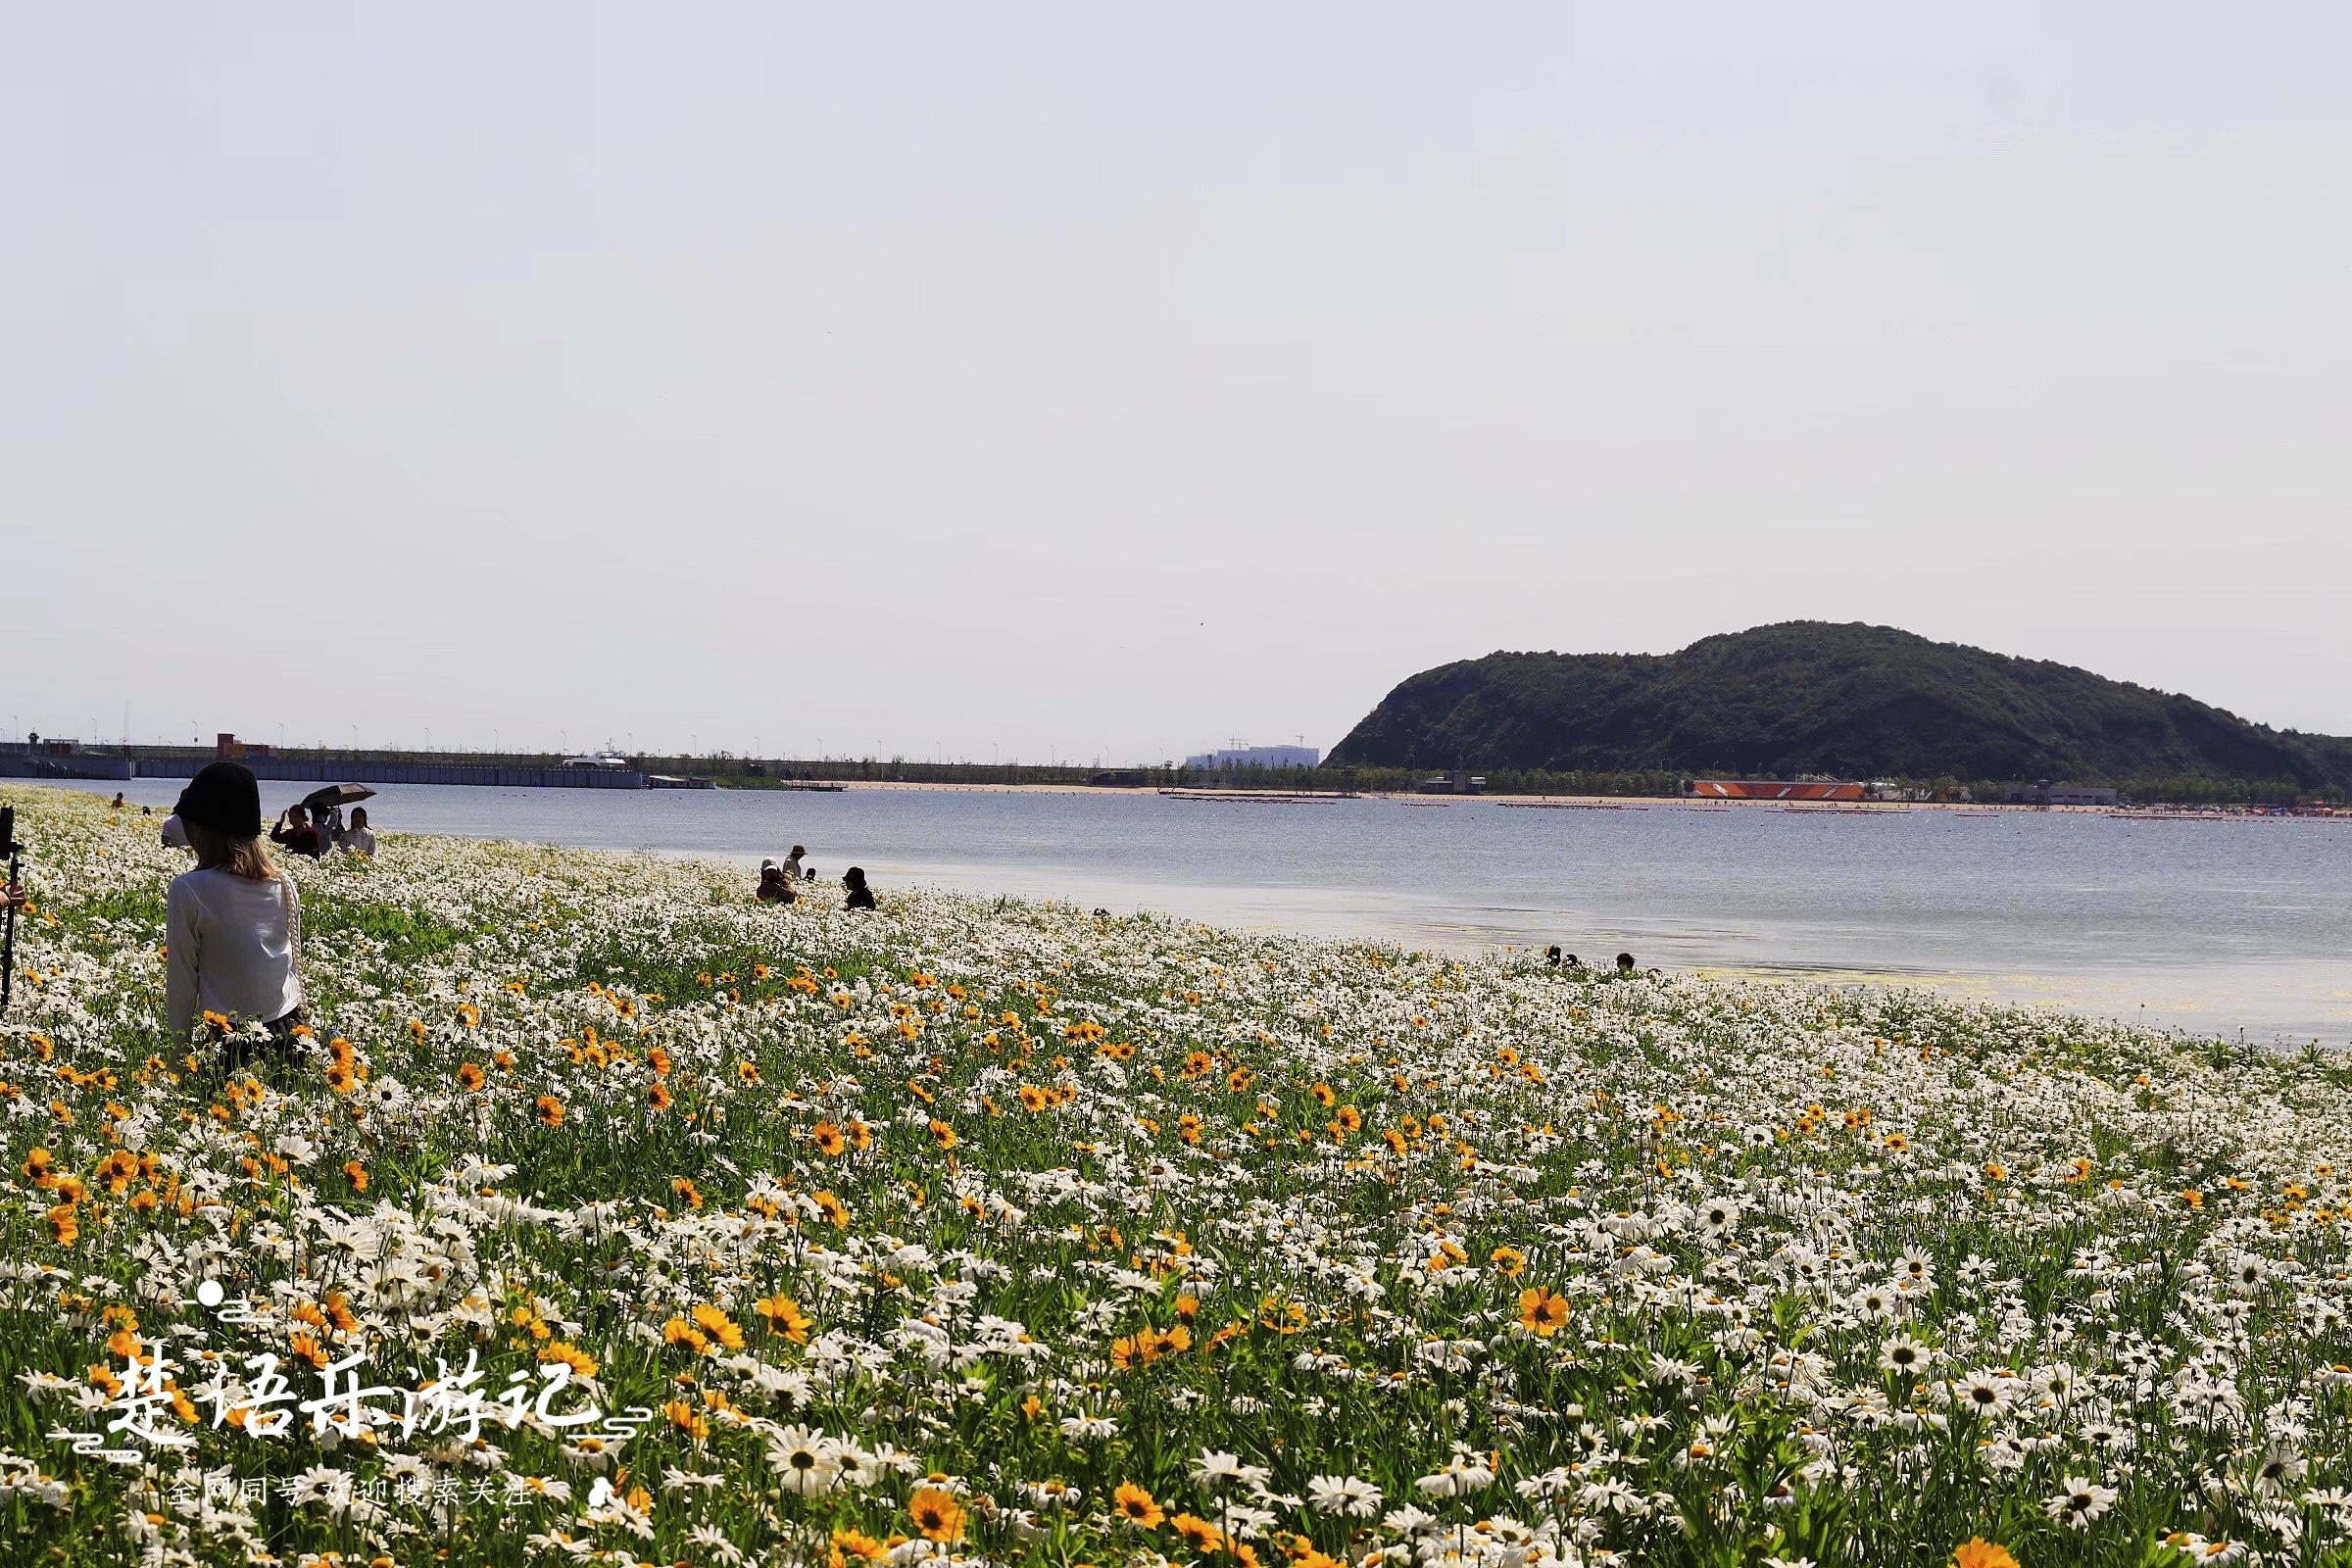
(1274,795)
(1639,803)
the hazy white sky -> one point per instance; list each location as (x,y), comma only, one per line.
(1121,380)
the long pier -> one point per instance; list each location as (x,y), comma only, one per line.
(509,775)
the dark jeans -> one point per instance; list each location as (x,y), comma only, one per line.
(237,1051)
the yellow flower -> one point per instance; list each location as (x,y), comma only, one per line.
(721,1327)
(580,1361)
(784,1317)
(1137,1505)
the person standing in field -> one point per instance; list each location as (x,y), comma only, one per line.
(359,838)
(233,927)
(792,862)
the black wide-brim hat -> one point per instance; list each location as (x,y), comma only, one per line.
(224,798)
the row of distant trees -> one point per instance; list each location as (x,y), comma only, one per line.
(729,768)
(2181,789)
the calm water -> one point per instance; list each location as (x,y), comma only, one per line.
(2222,927)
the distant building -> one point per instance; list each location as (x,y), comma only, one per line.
(2042,792)
(1258,757)
(1455,781)
(1750,789)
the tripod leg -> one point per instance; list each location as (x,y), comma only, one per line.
(8,944)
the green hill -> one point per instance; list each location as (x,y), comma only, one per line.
(1811,697)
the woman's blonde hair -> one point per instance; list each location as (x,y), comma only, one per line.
(217,851)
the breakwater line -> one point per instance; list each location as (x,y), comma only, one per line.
(509,775)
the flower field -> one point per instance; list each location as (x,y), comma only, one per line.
(612,1217)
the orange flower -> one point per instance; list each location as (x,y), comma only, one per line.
(357,1175)
(1542,1310)
(469,1077)
(1137,1505)
(938,1516)
(1978,1552)
(1197,1533)
(551,1110)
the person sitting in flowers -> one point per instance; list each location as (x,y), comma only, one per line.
(233,927)
(861,897)
(775,886)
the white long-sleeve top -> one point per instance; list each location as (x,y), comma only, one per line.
(233,944)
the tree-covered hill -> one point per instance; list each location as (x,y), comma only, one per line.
(1817,698)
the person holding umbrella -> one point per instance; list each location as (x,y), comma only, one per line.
(326,806)
(233,927)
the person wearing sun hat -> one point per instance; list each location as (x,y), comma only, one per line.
(233,927)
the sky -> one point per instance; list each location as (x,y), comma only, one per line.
(1109,381)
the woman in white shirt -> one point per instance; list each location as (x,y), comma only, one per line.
(359,838)
(233,927)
